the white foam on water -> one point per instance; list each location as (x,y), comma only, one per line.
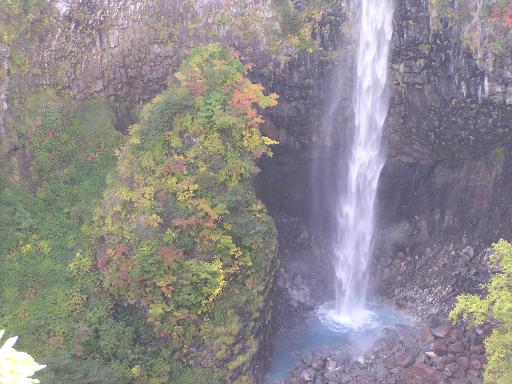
(361,320)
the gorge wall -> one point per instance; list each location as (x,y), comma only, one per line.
(443,195)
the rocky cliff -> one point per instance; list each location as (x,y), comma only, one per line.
(444,190)
(443,193)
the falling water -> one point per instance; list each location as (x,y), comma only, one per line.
(355,214)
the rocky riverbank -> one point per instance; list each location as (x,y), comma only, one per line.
(425,354)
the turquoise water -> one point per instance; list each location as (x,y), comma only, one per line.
(315,332)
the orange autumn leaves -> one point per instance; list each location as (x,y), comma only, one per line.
(171,228)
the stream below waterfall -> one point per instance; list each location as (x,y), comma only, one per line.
(290,345)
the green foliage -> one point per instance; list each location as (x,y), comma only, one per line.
(173,264)
(298,25)
(17,15)
(50,291)
(291,20)
(41,211)
(495,307)
(194,376)
(179,220)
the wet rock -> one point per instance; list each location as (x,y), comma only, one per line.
(475,365)
(451,369)
(330,365)
(380,372)
(463,362)
(442,331)
(317,364)
(404,359)
(457,347)
(425,334)
(439,348)
(402,355)
(308,374)
(422,373)
(477,349)
(333,376)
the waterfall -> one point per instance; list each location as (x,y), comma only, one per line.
(355,208)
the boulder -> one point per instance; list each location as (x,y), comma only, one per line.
(317,364)
(404,359)
(441,331)
(457,347)
(420,373)
(330,365)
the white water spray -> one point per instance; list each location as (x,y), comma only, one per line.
(355,216)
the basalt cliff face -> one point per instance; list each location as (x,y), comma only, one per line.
(443,192)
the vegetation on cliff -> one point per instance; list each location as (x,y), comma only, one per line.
(496,308)
(179,230)
(17,15)
(485,24)
(47,188)
(173,267)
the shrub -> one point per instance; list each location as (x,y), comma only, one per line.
(496,308)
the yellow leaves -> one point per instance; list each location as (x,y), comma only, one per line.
(147,109)
(471,308)
(124,194)
(136,371)
(26,248)
(180,77)
(154,220)
(268,141)
(81,264)
(248,67)
(251,138)
(220,283)
(302,39)
(186,190)
(317,15)
(134,134)
(7,37)
(495,306)
(273,99)
(192,78)
(76,300)
(502,257)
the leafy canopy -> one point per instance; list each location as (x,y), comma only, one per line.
(179,220)
(495,307)
(50,292)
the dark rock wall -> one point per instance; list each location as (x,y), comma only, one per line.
(444,192)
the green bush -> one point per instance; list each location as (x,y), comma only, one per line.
(50,291)
(496,308)
(121,260)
